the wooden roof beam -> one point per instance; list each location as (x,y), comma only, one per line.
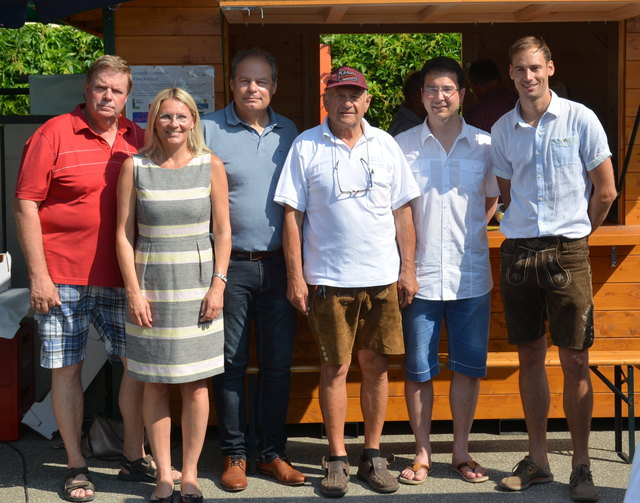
(434,13)
(532,11)
(631,9)
(233,16)
(336,13)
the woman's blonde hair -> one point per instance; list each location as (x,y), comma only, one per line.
(152,147)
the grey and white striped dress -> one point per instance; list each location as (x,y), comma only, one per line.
(174,264)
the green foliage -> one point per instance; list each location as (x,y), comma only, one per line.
(37,49)
(386,59)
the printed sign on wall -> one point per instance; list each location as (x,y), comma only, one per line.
(149,80)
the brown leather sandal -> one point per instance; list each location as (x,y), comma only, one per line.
(68,485)
(140,470)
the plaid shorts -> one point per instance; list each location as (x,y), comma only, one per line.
(64,329)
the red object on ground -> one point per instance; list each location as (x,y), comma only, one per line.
(17,381)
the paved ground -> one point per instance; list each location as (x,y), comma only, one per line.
(31,471)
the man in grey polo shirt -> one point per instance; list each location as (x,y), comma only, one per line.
(253,141)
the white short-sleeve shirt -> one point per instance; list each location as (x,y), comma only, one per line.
(349,239)
(452,252)
(548,167)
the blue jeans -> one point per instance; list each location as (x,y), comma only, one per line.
(467,332)
(256,291)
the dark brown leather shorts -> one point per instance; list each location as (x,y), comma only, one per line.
(547,279)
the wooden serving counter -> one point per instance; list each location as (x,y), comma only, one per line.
(605,235)
(615,258)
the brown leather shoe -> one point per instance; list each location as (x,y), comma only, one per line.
(234,476)
(281,470)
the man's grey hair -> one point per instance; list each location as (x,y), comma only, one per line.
(255,52)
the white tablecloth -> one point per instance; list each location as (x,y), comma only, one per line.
(14,305)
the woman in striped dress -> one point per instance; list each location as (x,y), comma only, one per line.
(167,197)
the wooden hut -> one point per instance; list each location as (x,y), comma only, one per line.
(596,47)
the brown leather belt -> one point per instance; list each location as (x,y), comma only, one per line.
(259,255)
(544,242)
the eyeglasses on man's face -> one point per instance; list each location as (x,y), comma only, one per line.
(432,91)
(353,192)
(168,118)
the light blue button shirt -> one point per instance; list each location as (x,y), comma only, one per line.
(548,167)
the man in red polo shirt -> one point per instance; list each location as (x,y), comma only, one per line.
(65,208)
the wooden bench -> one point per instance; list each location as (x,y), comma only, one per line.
(619,360)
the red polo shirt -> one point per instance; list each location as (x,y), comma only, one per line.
(73,173)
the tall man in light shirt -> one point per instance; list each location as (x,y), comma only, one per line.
(451,162)
(346,189)
(556,180)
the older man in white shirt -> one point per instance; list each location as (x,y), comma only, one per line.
(451,161)
(349,245)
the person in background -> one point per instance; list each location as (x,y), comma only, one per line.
(349,245)
(252,141)
(556,180)
(494,99)
(411,112)
(65,211)
(167,197)
(451,162)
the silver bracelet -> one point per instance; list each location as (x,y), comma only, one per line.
(221,276)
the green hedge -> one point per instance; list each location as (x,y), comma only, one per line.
(386,59)
(37,49)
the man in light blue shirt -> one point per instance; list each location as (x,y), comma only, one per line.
(253,142)
(556,180)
